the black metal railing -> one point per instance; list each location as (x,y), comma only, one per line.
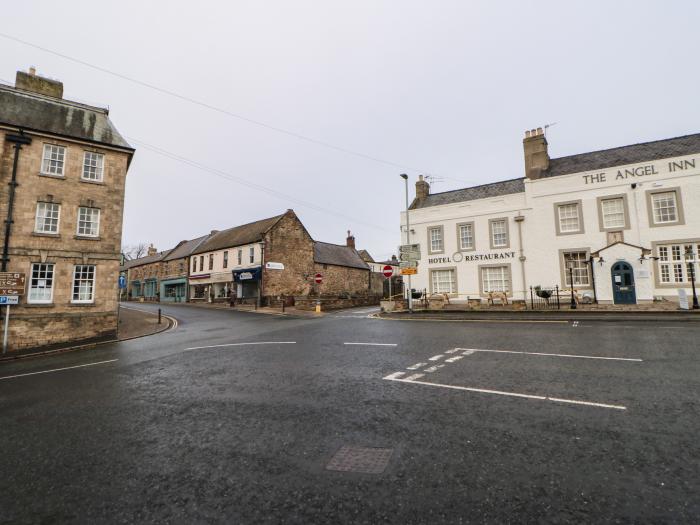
(544,298)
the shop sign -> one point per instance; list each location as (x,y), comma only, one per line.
(245,276)
(636,172)
(683,299)
(459,257)
(274,266)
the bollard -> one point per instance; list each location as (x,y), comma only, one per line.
(318,307)
(159,316)
(283,305)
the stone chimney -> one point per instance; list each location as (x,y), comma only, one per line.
(152,250)
(350,241)
(36,84)
(536,154)
(422,188)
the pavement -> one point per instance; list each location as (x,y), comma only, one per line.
(547,315)
(233,417)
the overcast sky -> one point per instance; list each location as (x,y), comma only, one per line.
(445,88)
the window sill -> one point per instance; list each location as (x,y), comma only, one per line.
(38,305)
(81,305)
(52,235)
(96,182)
(52,176)
(86,238)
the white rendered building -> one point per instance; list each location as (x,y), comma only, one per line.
(626,220)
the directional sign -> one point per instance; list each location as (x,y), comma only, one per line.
(12,283)
(318,278)
(409,252)
(9,299)
(388,271)
(122,281)
(408,264)
(409,271)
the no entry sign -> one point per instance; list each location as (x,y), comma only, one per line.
(388,271)
(318,278)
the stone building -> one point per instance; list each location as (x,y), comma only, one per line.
(63,168)
(144,275)
(175,270)
(619,226)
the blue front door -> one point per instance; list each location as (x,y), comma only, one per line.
(623,283)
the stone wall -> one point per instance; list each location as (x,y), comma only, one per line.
(335,302)
(340,279)
(288,243)
(63,320)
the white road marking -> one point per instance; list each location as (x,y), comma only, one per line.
(435,357)
(244,344)
(467,352)
(416,366)
(555,355)
(452,351)
(371,344)
(414,377)
(509,394)
(59,369)
(433,368)
(394,376)
(453,359)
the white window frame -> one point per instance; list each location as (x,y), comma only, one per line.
(93,163)
(81,221)
(37,217)
(251,254)
(56,154)
(439,239)
(581,273)
(504,282)
(607,213)
(655,209)
(673,267)
(493,223)
(38,266)
(468,226)
(438,284)
(240,256)
(75,282)
(560,217)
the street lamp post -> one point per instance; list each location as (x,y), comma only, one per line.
(691,260)
(408,241)
(570,266)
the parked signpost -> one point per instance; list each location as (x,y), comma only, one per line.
(318,279)
(11,287)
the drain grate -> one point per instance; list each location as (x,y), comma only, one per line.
(360,459)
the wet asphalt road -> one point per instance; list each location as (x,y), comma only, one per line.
(153,430)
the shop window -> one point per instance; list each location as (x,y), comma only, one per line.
(495,279)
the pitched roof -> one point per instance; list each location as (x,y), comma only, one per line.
(338,255)
(239,235)
(33,111)
(185,248)
(484,191)
(148,259)
(646,151)
(365,256)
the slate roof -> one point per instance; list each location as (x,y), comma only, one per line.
(185,248)
(35,112)
(365,256)
(484,191)
(635,153)
(338,255)
(148,259)
(239,235)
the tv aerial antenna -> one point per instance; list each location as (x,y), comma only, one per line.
(433,179)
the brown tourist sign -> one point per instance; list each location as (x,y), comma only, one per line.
(12,283)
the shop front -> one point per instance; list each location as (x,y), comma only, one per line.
(247,283)
(212,288)
(173,290)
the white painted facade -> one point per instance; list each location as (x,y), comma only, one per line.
(211,273)
(562,216)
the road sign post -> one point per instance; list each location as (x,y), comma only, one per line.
(11,287)
(4,335)
(318,279)
(388,271)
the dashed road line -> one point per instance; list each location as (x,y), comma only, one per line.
(394,376)
(414,377)
(416,366)
(433,368)
(452,351)
(244,344)
(372,344)
(59,369)
(453,359)
(636,360)
(436,357)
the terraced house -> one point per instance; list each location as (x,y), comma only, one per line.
(63,168)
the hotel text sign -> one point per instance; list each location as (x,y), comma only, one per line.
(637,171)
(459,257)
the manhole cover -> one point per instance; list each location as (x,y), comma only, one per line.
(360,459)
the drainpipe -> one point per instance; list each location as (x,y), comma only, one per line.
(18,141)
(595,294)
(519,221)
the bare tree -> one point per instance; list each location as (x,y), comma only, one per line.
(135,251)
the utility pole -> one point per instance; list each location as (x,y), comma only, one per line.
(408,241)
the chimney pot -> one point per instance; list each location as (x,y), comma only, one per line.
(536,153)
(422,188)
(32,71)
(350,241)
